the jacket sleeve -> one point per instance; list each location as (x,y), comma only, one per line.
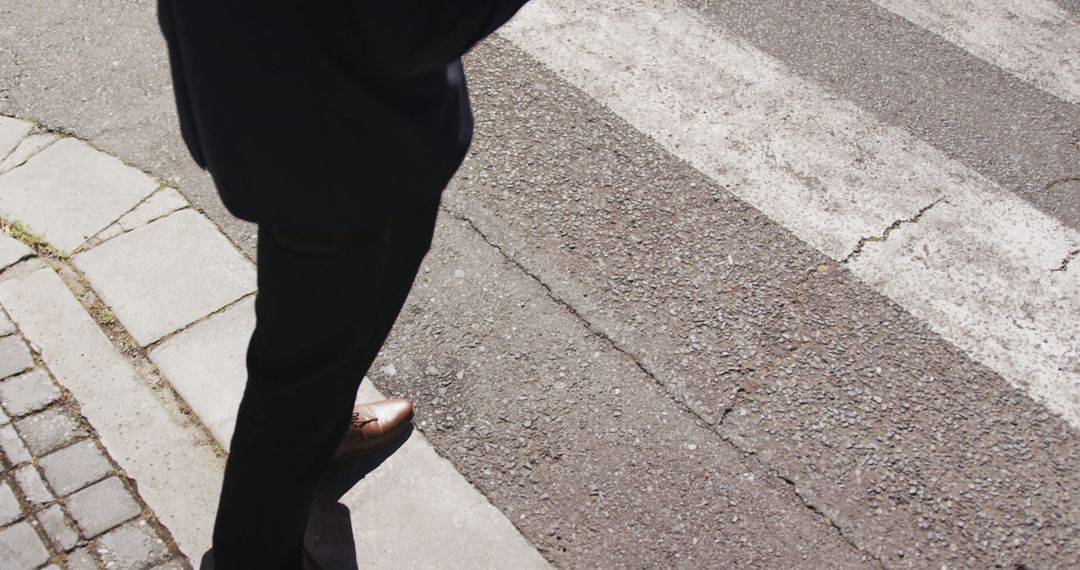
(407,37)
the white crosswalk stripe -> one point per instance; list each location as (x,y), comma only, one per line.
(1036,40)
(976,265)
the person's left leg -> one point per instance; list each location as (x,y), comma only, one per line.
(325,305)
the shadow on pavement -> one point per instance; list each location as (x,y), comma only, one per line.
(329,538)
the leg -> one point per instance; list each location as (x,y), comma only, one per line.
(325,305)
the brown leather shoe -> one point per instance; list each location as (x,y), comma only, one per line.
(374,425)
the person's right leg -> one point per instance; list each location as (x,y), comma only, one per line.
(325,305)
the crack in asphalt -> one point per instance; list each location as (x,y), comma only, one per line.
(885,234)
(688,404)
(829,521)
(1050,185)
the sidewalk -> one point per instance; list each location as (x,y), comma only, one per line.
(140,309)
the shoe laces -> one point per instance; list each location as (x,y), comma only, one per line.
(359,421)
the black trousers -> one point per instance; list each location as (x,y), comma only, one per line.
(326,303)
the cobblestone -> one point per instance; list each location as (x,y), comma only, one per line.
(48,430)
(14,356)
(10,509)
(102,506)
(57,528)
(47,449)
(134,545)
(75,467)
(81,559)
(32,486)
(26,393)
(21,547)
(14,450)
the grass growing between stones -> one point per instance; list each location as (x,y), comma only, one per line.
(41,247)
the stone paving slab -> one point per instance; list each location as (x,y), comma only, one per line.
(12,445)
(102,506)
(12,131)
(160,204)
(14,356)
(26,393)
(29,146)
(6,326)
(173,462)
(12,251)
(57,528)
(438,520)
(206,365)
(21,547)
(82,560)
(32,486)
(135,546)
(70,191)
(49,430)
(168,274)
(74,467)
(429,516)
(10,509)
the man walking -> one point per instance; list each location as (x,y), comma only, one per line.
(334,125)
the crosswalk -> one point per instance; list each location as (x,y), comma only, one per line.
(697,301)
(1037,40)
(963,254)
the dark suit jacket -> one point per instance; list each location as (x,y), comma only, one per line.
(326,113)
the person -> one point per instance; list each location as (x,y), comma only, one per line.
(334,125)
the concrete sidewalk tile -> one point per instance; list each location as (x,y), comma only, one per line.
(178,473)
(10,509)
(14,356)
(12,131)
(165,275)
(206,366)
(32,486)
(6,326)
(57,528)
(429,516)
(70,191)
(21,547)
(12,445)
(26,393)
(75,467)
(158,205)
(29,146)
(102,506)
(134,545)
(48,430)
(12,251)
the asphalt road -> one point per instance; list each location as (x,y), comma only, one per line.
(635,364)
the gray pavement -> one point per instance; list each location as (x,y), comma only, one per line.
(637,368)
(62,498)
(160,286)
